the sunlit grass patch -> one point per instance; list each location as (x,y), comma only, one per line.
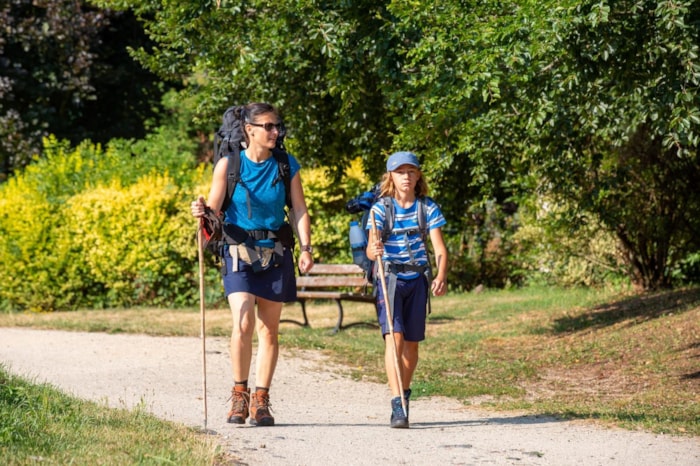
(39,424)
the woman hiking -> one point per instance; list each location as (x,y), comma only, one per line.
(406,264)
(258,272)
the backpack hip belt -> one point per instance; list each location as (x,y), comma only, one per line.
(254,255)
(392,269)
(233,234)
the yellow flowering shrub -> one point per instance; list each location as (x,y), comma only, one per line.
(26,254)
(131,238)
(94,228)
(326,199)
(82,228)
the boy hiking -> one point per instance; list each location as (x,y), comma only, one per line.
(406,270)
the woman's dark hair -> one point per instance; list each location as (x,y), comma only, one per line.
(249,113)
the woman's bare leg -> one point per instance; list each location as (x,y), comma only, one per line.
(268,324)
(241,345)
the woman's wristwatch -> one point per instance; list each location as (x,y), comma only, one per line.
(307,248)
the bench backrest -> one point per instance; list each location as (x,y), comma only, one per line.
(333,276)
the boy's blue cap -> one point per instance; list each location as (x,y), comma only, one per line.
(401,158)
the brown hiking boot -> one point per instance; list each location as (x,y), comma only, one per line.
(260,409)
(240,400)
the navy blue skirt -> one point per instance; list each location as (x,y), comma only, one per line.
(278,283)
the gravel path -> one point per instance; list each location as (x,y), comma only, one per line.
(322,417)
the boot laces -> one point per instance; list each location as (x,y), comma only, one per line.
(262,402)
(239,401)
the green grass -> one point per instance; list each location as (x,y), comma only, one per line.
(617,358)
(39,424)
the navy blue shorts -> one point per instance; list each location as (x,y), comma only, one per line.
(410,308)
(277,284)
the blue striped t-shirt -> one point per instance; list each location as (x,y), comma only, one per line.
(405,245)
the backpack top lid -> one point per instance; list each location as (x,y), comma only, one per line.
(230,137)
(363,202)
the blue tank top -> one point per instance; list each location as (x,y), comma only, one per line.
(258,202)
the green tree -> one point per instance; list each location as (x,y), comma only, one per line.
(621,109)
(65,70)
(324,64)
(594,104)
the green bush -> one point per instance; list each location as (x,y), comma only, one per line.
(687,270)
(555,254)
(485,253)
(94,228)
(330,222)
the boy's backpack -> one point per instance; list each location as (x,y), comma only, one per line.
(363,204)
(229,140)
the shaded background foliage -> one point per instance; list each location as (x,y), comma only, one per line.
(65,70)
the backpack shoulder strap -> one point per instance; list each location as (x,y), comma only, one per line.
(388,217)
(233,176)
(284,173)
(422,218)
(217,146)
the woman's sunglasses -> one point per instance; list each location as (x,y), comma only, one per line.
(268,126)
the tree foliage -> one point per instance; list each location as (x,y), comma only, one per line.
(324,64)
(65,70)
(618,125)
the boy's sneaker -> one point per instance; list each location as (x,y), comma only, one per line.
(240,400)
(260,409)
(398,417)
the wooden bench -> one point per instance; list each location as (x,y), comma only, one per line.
(337,282)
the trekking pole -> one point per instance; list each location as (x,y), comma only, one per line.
(202,333)
(390,319)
